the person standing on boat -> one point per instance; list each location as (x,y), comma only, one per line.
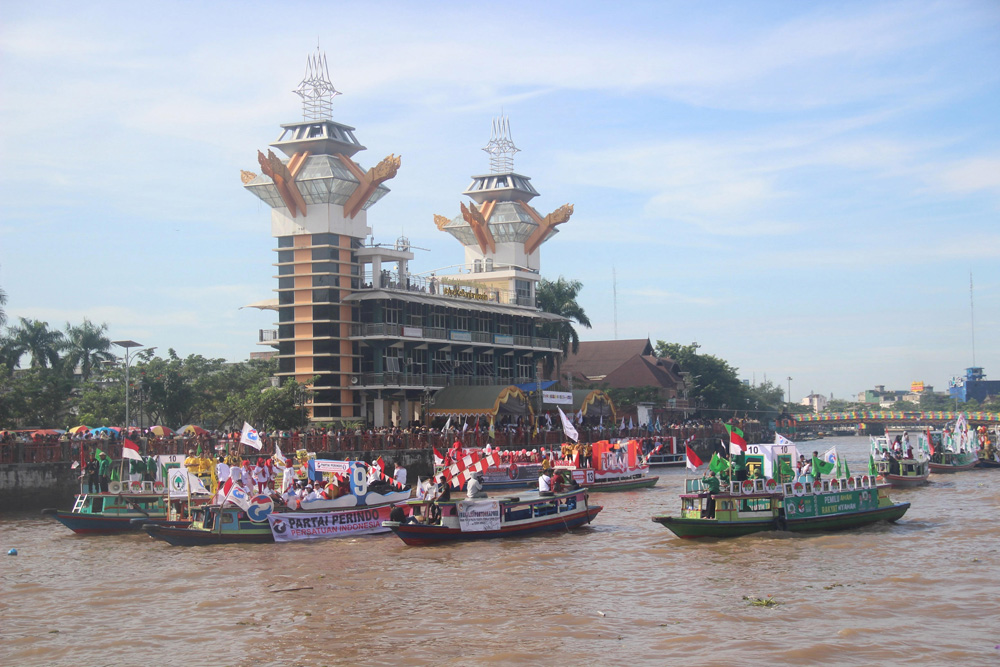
(93,475)
(104,471)
(399,474)
(711,485)
(443,495)
(545,482)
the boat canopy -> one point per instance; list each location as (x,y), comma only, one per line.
(491,400)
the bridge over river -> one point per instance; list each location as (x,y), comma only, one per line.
(902,418)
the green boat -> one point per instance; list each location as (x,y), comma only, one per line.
(758,505)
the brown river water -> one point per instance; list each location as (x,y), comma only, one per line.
(625,591)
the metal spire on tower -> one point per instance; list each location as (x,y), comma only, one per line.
(501,147)
(316,90)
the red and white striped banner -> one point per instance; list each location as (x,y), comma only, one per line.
(459,473)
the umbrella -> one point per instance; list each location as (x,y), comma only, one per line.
(48,431)
(161,431)
(191,429)
(79,429)
(110,430)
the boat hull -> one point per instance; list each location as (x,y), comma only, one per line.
(902,481)
(421,535)
(193,537)
(695,528)
(847,520)
(622,484)
(944,469)
(96,524)
(987,463)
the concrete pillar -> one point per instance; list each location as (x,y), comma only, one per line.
(379,410)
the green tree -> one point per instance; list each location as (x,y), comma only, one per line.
(711,378)
(559,298)
(87,346)
(35,338)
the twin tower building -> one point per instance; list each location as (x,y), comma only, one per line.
(374,340)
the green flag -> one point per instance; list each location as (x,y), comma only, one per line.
(718,464)
(785,469)
(847,471)
(820,467)
(872,470)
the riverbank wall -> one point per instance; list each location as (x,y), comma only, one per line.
(28,486)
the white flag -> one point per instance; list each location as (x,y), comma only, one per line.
(782,440)
(447,425)
(249,436)
(567,427)
(238,496)
(830,455)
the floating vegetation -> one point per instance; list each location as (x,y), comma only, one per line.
(761,602)
(832,586)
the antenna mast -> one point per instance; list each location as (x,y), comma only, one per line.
(972,314)
(614,292)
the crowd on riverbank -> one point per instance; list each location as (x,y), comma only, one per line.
(52,445)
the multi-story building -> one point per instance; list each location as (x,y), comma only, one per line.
(373,339)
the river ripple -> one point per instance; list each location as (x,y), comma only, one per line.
(925,591)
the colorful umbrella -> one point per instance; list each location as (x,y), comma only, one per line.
(110,430)
(161,431)
(191,429)
(79,429)
(48,431)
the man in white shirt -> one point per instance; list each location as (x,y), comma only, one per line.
(400,475)
(545,482)
(474,489)
(222,470)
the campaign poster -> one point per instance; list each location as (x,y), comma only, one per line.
(295,526)
(478,515)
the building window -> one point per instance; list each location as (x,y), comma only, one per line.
(286,256)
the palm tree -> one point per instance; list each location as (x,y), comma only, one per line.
(35,338)
(559,298)
(3,302)
(87,346)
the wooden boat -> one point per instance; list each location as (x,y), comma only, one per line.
(617,466)
(119,512)
(665,460)
(949,462)
(213,524)
(901,472)
(527,513)
(754,506)
(265,519)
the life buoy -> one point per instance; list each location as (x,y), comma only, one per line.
(817,486)
(158,487)
(135,487)
(115,487)
(770,486)
(851,484)
(747,486)
(864,482)
(799,488)
(835,485)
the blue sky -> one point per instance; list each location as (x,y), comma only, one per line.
(802,188)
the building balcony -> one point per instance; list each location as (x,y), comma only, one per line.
(388,330)
(429,380)
(267,337)
(455,289)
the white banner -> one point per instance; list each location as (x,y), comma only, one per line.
(250,437)
(339,467)
(557,397)
(294,526)
(478,515)
(178,480)
(567,427)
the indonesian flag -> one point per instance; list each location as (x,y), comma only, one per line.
(438,458)
(736,437)
(130,450)
(220,496)
(250,437)
(692,459)
(380,464)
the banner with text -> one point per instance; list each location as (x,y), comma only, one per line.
(478,515)
(290,527)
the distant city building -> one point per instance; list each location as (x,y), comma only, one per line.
(817,402)
(974,386)
(373,340)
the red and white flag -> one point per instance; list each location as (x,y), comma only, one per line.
(130,450)
(692,459)
(438,458)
